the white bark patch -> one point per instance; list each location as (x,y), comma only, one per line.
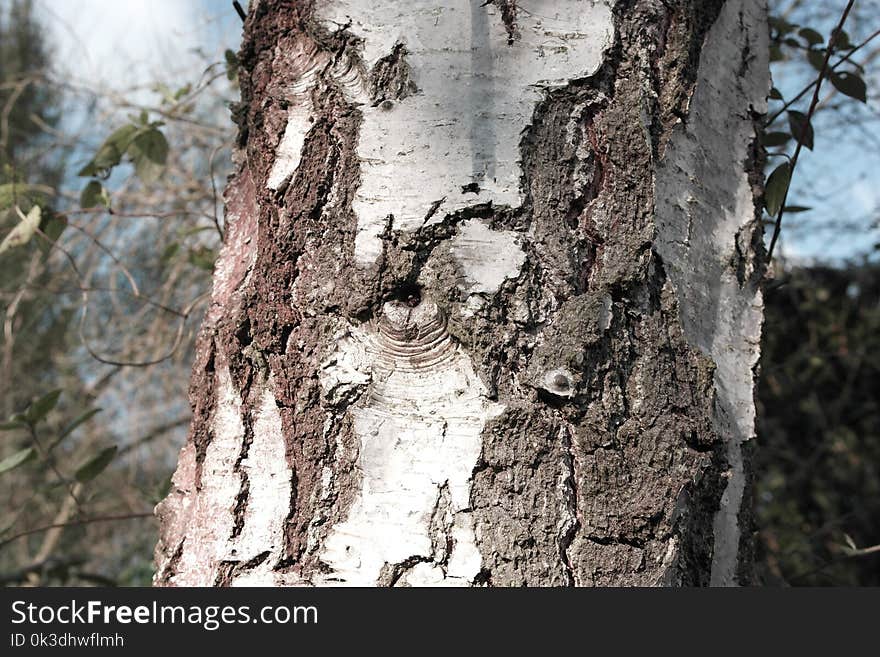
(703,200)
(305,57)
(268,498)
(419,433)
(209,529)
(487,257)
(476,95)
(287,156)
(210,524)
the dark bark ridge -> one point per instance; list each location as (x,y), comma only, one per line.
(589,475)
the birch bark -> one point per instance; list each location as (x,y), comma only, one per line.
(488,311)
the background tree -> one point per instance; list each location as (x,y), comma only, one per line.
(27,104)
(96,304)
(817,485)
(820,483)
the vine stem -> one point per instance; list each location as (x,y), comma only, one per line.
(801,93)
(73,523)
(807,122)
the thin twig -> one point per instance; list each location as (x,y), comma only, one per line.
(239,10)
(861,552)
(803,132)
(50,540)
(214,192)
(134,286)
(183,314)
(153,434)
(50,461)
(848,553)
(7,112)
(178,337)
(834,67)
(72,523)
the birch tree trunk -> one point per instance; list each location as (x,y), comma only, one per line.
(488,310)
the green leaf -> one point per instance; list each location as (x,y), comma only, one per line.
(23,231)
(775,94)
(11,426)
(20,457)
(776,188)
(96,465)
(81,419)
(781,25)
(23,195)
(53,225)
(41,407)
(94,195)
(816,58)
(776,54)
(169,252)
(811,36)
(195,230)
(850,84)
(149,152)
(161,491)
(203,258)
(772,139)
(111,151)
(231,64)
(841,40)
(790,209)
(165,91)
(801,129)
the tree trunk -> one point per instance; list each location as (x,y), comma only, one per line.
(488,310)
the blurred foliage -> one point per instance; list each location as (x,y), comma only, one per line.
(34,105)
(27,178)
(818,455)
(102,279)
(37,323)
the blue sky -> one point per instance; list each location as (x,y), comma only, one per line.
(124,44)
(839,178)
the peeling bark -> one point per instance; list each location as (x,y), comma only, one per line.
(488,311)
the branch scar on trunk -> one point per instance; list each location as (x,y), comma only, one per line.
(420,432)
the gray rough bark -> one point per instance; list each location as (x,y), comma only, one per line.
(488,311)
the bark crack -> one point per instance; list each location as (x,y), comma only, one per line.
(392,78)
(508,17)
(440,527)
(228,570)
(392,573)
(572,524)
